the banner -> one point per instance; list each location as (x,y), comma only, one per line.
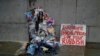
(73,34)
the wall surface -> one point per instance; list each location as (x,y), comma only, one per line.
(75,12)
(13,25)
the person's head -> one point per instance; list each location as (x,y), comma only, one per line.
(40,14)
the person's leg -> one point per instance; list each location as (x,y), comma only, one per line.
(39,52)
(29,55)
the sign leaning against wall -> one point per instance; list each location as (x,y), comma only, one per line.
(73,34)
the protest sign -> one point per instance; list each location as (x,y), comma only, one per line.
(73,34)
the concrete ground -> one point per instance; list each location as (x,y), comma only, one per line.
(92,49)
(92,52)
(9,48)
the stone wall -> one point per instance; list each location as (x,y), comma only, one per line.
(75,12)
(13,25)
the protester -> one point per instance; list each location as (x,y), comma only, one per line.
(42,32)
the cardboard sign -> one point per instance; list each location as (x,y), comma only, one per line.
(73,34)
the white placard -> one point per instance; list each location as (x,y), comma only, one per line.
(73,34)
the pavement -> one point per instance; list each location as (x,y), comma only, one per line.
(92,49)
